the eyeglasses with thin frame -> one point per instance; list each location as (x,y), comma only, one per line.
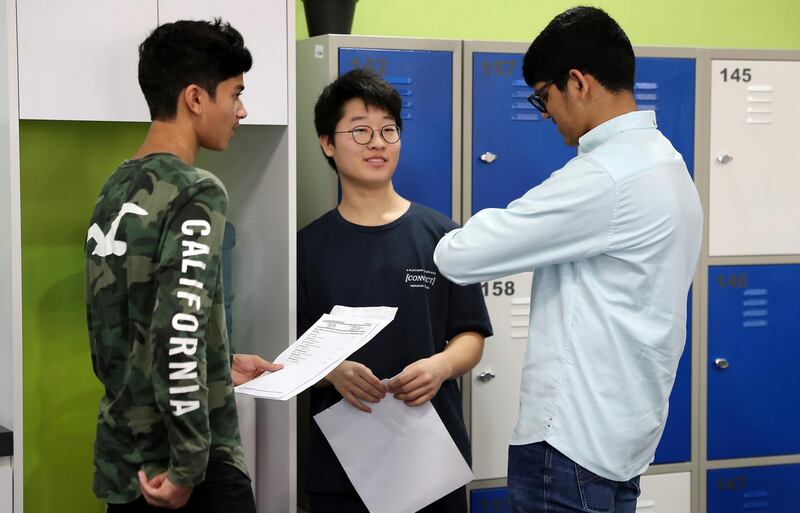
(536,99)
(363,134)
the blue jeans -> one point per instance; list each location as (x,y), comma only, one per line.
(542,480)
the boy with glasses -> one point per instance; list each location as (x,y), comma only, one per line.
(376,249)
(614,239)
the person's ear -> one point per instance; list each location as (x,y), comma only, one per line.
(580,81)
(192,96)
(327,145)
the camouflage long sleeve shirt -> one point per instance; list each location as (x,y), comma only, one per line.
(157,327)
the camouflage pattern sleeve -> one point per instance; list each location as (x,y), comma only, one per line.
(187,274)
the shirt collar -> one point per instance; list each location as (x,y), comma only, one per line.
(605,131)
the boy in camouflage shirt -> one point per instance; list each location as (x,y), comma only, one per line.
(167,429)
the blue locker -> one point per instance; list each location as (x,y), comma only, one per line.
(675,445)
(424,80)
(490,500)
(764,489)
(753,335)
(528,150)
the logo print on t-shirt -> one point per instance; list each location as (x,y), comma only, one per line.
(106,245)
(420,278)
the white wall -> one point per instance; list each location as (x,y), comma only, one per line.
(6,367)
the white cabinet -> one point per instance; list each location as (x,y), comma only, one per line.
(263,26)
(78,60)
(495,380)
(754,175)
(6,484)
(665,493)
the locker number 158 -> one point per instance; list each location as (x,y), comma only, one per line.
(498,288)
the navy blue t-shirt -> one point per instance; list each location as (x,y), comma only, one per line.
(390,265)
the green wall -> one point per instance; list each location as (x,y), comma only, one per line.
(63,165)
(709,23)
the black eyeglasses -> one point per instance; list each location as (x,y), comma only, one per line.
(363,134)
(536,98)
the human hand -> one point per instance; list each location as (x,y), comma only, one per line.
(420,381)
(162,493)
(249,366)
(356,383)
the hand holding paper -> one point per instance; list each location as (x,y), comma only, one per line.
(356,383)
(319,350)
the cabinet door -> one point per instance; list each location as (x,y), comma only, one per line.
(513,148)
(753,383)
(754,177)
(675,445)
(424,79)
(666,85)
(764,489)
(262,23)
(496,379)
(79,60)
(665,493)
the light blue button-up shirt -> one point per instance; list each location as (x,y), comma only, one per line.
(614,239)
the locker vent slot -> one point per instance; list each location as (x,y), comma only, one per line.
(759,105)
(755,313)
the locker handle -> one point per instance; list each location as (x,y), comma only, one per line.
(724,158)
(721,363)
(488,157)
(486,376)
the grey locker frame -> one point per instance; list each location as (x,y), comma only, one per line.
(471,47)
(317,66)
(702,180)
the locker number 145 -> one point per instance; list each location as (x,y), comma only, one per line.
(736,75)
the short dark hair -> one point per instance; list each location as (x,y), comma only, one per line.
(361,84)
(586,39)
(176,55)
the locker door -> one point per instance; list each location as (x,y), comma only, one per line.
(753,349)
(754,176)
(667,86)
(665,493)
(496,379)
(424,80)
(675,445)
(764,489)
(490,500)
(513,151)
(513,148)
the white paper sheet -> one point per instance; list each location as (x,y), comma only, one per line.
(399,458)
(319,350)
